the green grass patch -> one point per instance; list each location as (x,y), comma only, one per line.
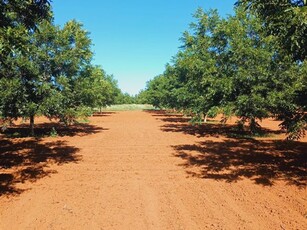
(128,107)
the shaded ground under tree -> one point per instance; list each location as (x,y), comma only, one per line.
(233,156)
(24,159)
(45,129)
(231,160)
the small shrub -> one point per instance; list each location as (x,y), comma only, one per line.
(53,132)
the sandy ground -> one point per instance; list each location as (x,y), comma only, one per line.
(149,170)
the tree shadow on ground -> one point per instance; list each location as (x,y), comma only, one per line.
(261,161)
(213,128)
(237,155)
(162,113)
(103,114)
(29,160)
(177,119)
(45,129)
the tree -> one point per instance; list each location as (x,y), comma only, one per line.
(287,20)
(156,91)
(17,17)
(233,66)
(124,98)
(289,99)
(98,89)
(46,69)
(196,66)
(140,98)
(25,12)
(29,75)
(54,78)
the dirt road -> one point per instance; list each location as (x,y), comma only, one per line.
(149,170)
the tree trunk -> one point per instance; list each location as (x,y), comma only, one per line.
(99,109)
(205,118)
(32,125)
(254,127)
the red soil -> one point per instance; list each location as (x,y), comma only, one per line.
(150,170)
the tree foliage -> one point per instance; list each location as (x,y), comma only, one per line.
(25,12)
(48,71)
(287,20)
(233,66)
(17,17)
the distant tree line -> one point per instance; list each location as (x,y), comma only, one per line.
(251,65)
(126,98)
(45,69)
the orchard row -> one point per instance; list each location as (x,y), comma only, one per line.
(251,65)
(47,70)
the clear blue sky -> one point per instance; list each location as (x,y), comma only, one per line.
(134,39)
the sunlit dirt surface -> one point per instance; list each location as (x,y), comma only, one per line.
(150,170)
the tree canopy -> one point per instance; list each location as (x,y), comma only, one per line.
(287,20)
(46,69)
(234,67)
(25,12)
